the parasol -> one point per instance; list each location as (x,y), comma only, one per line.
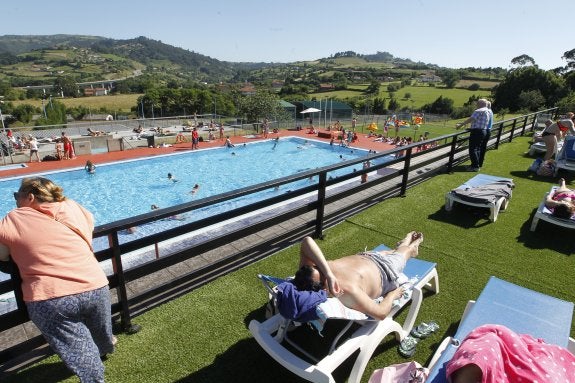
(310,110)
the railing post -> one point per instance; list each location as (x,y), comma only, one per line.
(320,205)
(406,164)
(125,318)
(452,153)
(512,130)
(524,125)
(499,133)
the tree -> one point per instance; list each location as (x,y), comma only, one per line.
(531,100)
(569,56)
(261,105)
(66,86)
(522,60)
(373,87)
(449,77)
(442,105)
(393,104)
(550,85)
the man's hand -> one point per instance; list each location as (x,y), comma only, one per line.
(333,285)
(397,293)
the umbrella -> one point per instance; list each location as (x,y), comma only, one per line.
(310,110)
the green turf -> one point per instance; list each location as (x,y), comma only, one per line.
(203,336)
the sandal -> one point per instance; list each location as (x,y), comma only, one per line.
(424,330)
(407,346)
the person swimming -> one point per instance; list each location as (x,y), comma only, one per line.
(172,178)
(90,167)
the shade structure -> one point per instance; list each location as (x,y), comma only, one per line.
(310,110)
(372,126)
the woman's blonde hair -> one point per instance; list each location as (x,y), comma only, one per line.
(43,189)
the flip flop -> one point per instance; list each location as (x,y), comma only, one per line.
(424,330)
(407,346)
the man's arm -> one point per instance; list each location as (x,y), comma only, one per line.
(311,254)
(355,298)
(461,124)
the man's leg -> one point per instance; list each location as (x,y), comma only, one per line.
(484,142)
(409,246)
(475,138)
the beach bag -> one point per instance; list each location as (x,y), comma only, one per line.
(409,372)
(535,165)
(547,169)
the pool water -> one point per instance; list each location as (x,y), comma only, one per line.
(122,190)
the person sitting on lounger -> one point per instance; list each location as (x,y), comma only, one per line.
(562,201)
(93,133)
(357,280)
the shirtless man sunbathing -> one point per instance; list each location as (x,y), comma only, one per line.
(358,279)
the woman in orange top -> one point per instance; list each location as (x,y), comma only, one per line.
(66,292)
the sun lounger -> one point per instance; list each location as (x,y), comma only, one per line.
(522,310)
(496,202)
(543,213)
(566,156)
(272,334)
(540,148)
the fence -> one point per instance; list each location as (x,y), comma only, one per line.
(175,270)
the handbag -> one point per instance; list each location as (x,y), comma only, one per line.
(409,372)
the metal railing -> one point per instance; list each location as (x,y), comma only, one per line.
(316,207)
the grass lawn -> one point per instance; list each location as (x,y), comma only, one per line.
(122,102)
(203,336)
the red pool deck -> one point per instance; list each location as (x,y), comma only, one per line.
(142,152)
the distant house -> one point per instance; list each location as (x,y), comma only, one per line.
(248,89)
(429,77)
(326,87)
(95,91)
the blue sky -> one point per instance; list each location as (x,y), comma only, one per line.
(450,33)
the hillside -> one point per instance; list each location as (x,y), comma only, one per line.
(37,60)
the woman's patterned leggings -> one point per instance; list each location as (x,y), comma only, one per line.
(79,328)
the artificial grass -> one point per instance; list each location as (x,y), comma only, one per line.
(203,336)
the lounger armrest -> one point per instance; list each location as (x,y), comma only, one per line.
(442,347)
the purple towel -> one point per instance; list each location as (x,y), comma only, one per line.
(298,305)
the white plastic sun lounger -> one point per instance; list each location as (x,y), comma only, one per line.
(543,213)
(272,334)
(520,309)
(479,180)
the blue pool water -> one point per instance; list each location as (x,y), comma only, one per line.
(122,190)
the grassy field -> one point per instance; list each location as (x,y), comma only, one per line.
(121,103)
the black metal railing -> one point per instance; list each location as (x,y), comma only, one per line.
(314,208)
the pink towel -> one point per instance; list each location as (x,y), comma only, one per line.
(505,357)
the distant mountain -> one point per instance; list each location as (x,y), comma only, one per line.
(17,44)
(38,60)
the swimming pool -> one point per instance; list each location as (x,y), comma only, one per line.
(122,190)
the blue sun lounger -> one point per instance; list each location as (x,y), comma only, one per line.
(272,334)
(518,308)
